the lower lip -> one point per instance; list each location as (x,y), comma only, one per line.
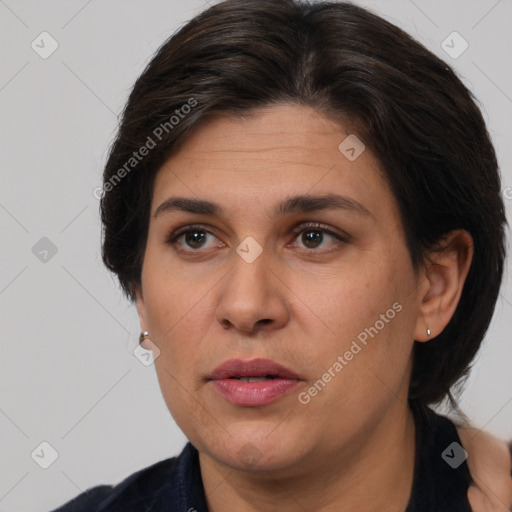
(253,394)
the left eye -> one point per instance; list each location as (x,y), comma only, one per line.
(314,235)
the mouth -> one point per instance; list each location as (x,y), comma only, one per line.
(255,379)
(260,369)
(253,383)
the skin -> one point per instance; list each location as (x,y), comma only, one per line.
(490,467)
(352,446)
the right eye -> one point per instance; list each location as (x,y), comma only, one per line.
(193,236)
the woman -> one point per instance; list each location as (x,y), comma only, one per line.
(304,203)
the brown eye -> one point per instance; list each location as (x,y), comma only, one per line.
(195,238)
(313,236)
(192,238)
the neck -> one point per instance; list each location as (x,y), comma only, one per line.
(374,473)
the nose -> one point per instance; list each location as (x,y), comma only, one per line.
(252,297)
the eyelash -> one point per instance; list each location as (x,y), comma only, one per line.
(312,226)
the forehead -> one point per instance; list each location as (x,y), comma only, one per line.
(272,153)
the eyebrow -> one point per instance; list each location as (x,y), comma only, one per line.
(295,204)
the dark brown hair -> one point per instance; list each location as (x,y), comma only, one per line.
(403,102)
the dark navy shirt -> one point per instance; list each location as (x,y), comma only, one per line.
(440,484)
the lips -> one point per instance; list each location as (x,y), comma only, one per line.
(253,383)
(234,368)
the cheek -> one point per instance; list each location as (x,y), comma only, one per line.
(176,322)
(168,293)
(180,394)
(346,300)
(176,326)
(370,320)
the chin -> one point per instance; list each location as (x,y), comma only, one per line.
(255,448)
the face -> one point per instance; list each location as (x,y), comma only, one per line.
(325,289)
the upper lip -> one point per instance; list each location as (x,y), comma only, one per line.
(252,368)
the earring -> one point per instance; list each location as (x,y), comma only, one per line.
(144,335)
(428,332)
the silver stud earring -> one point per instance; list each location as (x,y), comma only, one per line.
(144,335)
(428,333)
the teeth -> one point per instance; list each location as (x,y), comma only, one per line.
(253,379)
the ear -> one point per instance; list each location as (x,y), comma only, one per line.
(141,309)
(445,273)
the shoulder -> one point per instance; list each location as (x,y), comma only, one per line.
(142,487)
(490,464)
(441,478)
(87,501)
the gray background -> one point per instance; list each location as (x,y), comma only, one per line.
(68,373)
